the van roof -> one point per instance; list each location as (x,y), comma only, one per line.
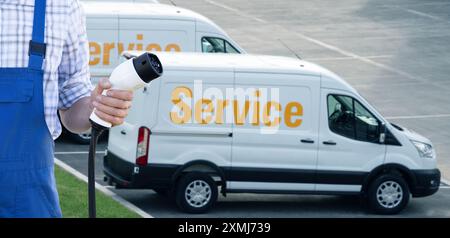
(143,10)
(236,62)
(248,63)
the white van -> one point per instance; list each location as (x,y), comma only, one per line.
(263,124)
(114,27)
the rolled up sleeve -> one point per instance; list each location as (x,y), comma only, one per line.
(74,80)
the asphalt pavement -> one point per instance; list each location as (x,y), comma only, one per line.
(395,53)
(254,205)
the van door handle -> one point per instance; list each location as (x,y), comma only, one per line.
(307,141)
(123,132)
(329,142)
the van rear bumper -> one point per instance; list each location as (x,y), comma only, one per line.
(427,182)
(128,175)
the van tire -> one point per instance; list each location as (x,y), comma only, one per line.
(199,184)
(388,194)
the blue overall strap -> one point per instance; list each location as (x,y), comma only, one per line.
(37,46)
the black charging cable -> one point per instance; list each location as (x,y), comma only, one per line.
(96,131)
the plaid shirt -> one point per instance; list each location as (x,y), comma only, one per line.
(66,64)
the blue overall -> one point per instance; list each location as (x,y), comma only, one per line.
(27,182)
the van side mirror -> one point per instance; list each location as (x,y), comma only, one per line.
(382,137)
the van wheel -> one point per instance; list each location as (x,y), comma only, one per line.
(388,194)
(196,193)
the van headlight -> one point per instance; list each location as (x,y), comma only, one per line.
(425,150)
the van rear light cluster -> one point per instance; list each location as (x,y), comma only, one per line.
(143,146)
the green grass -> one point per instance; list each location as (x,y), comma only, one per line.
(73,199)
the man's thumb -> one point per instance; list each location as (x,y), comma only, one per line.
(103,84)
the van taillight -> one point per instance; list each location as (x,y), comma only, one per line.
(142,146)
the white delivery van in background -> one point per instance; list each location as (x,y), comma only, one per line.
(114,27)
(263,124)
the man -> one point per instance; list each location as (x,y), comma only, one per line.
(44,68)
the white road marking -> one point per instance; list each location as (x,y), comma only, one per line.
(390,84)
(76,152)
(103,189)
(423,14)
(446,182)
(355,56)
(407,37)
(240,13)
(321,43)
(419,116)
(348,58)
(423,3)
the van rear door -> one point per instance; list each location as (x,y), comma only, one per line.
(279,157)
(123,138)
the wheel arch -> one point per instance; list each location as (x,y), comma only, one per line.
(389,168)
(201,166)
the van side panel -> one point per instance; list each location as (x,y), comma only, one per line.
(102,31)
(262,155)
(187,129)
(157,34)
(109,37)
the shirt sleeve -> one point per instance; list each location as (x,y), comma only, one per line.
(73,72)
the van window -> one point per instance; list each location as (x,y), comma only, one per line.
(348,117)
(217,45)
(230,49)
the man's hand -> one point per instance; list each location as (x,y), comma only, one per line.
(114,106)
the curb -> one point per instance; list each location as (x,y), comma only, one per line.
(445,182)
(103,189)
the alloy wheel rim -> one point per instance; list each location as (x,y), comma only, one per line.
(198,193)
(389,194)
